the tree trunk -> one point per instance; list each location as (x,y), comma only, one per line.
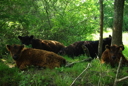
(101,29)
(46,9)
(118,22)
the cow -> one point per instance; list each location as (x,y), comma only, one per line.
(29,56)
(76,48)
(49,45)
(112,55)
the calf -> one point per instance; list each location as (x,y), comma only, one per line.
(27,56)
(112,55)
(76,48)
(49,45)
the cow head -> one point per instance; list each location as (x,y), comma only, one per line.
(26,39)
(115,51)
(15,50)
(62,51)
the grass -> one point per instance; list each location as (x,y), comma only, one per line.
(8,75)
(96,75)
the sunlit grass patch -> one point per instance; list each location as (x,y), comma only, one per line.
(125,38)
(125,51)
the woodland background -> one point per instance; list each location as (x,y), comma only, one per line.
(66,21)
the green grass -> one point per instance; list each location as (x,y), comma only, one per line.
(96,75)
(9,76)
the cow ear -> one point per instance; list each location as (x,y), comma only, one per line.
(8,47)
(121,47)
(22,46)
(110,36)
(107,47)
(20,37)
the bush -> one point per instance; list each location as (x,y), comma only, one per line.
(9,76)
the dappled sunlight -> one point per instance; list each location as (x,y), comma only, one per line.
(109,32)
(10,65)
(125,38)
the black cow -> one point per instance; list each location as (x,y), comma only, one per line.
(49,45)
(76,48)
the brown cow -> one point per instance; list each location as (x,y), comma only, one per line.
(112,55)
(27,56)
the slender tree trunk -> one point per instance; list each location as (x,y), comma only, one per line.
(101,29)
(118,22)
(46,9)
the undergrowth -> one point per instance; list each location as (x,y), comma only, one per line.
(97,74)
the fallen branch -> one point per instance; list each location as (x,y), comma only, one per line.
(85,60)
(80,74)
(118,80)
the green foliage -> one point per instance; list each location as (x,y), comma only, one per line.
(66,21)
(125,52)
(62,80)
(60,20)
(108,13)
(31,79)
(8,76)
(101,73)
(125,25)
(49,19)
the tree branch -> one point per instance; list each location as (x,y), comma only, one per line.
(84,60)
(126,77)
(117,72)
(80,74)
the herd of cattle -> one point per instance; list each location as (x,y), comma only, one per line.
(48,53)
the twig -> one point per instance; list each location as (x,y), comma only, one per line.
(80,74)
(126,77)
(84,60)
(117,72)
(71,64)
